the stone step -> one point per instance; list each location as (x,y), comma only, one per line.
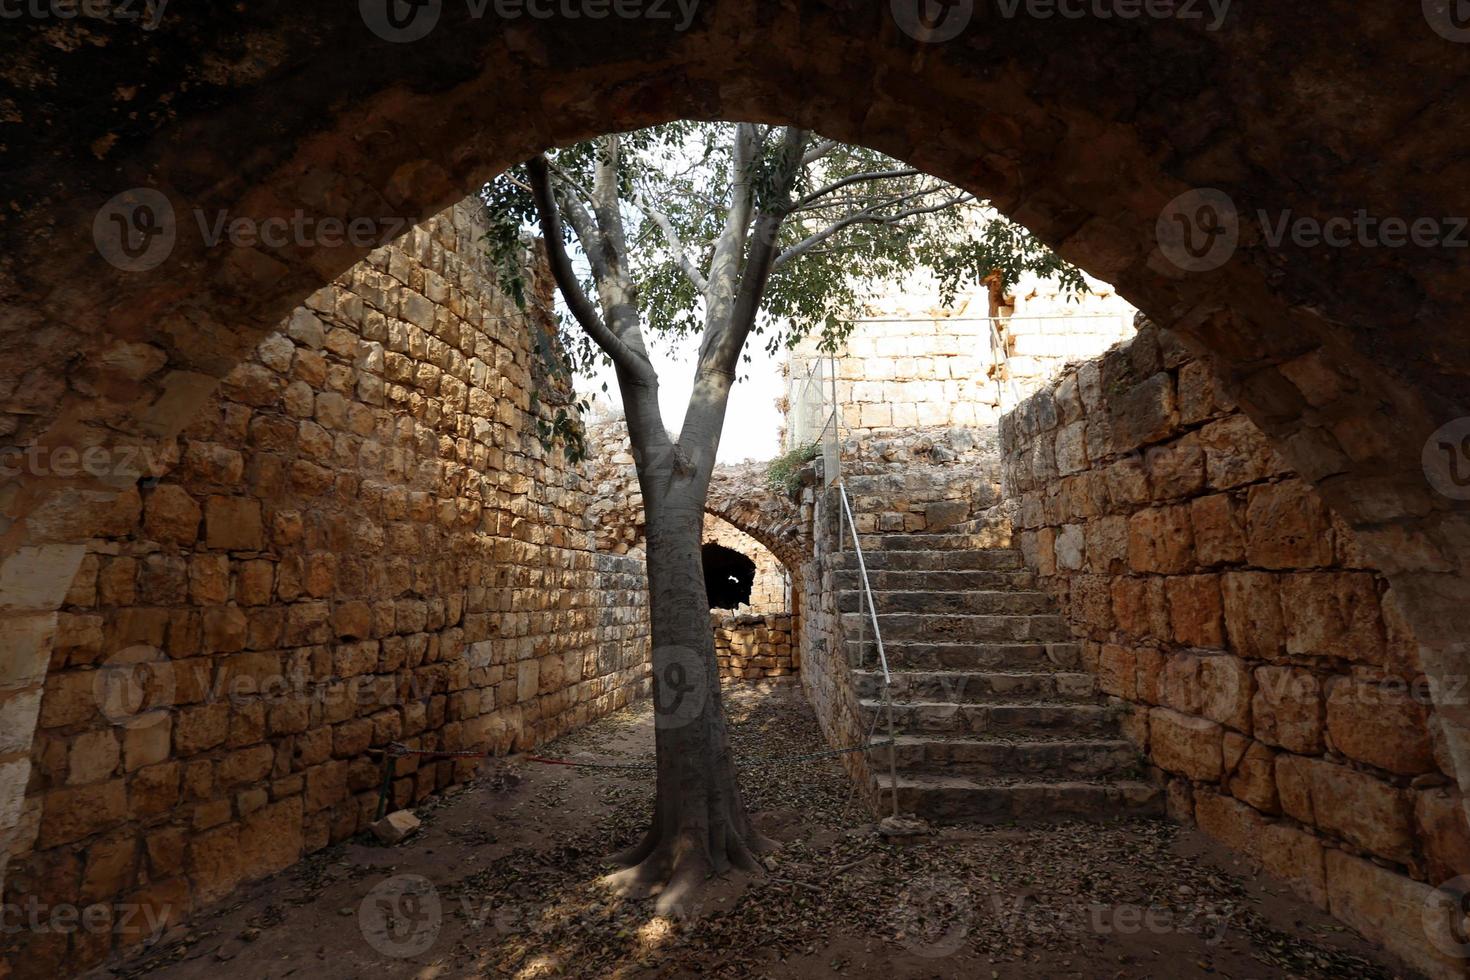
(986,559)
(1016,717)
(918,541)
(908,654)
(978,687)
(919,579)
(957,799)
(957,628)
(1054,758)
(990,603)
(884,486)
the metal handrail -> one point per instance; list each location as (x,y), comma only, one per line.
(857,546)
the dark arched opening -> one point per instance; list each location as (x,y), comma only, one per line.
(728,576)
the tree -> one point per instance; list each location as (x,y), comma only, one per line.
(726,230)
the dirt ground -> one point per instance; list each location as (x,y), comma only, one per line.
(502,882)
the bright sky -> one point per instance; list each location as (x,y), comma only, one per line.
(752,423)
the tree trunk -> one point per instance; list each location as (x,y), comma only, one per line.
(700,827)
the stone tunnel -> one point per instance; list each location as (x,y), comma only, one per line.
(249,489)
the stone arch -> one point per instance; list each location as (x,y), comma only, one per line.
(1083,130)
(740,496)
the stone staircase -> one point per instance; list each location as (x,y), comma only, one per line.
(995,718)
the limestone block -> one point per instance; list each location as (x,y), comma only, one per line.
(1398,912)
(1219,537)
(1439,819)
(1287,526)
(1195,611)
(1334,614)
(1254,620)
(1161,540)
(171,515)
(1383,725)
(1185,744)
(233,524)
(1287,709)
(1142,413)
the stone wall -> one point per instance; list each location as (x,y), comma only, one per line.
(359,541)
(913,364)
(756,647)
(616,511)
(1269,672)
(826,673)
(928,479)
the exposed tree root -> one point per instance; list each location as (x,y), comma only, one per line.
(675,869)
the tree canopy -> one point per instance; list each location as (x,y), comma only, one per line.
(858,220)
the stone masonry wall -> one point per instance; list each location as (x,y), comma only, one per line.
(358,542)
(923,480)
(1269,673)
(755,647)
(915,365)
(826,673)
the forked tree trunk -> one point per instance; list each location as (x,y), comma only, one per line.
(700,826)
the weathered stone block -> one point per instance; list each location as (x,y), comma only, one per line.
(1287,526)
(1195,613)
(1254,621)
(1161,540)
(1287,709)
(1218,536)
(1406,916)
(233,524)
(1380,724)
(1333,615)
(1185,745)
(1142,413)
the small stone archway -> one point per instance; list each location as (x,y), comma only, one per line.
(741,496)
(1087,131)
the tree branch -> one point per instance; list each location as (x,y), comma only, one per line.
(849,181)
(671,237)
(817,152)
(720,353)
(627,360)
(867,217)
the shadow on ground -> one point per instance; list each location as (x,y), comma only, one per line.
(501,882)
